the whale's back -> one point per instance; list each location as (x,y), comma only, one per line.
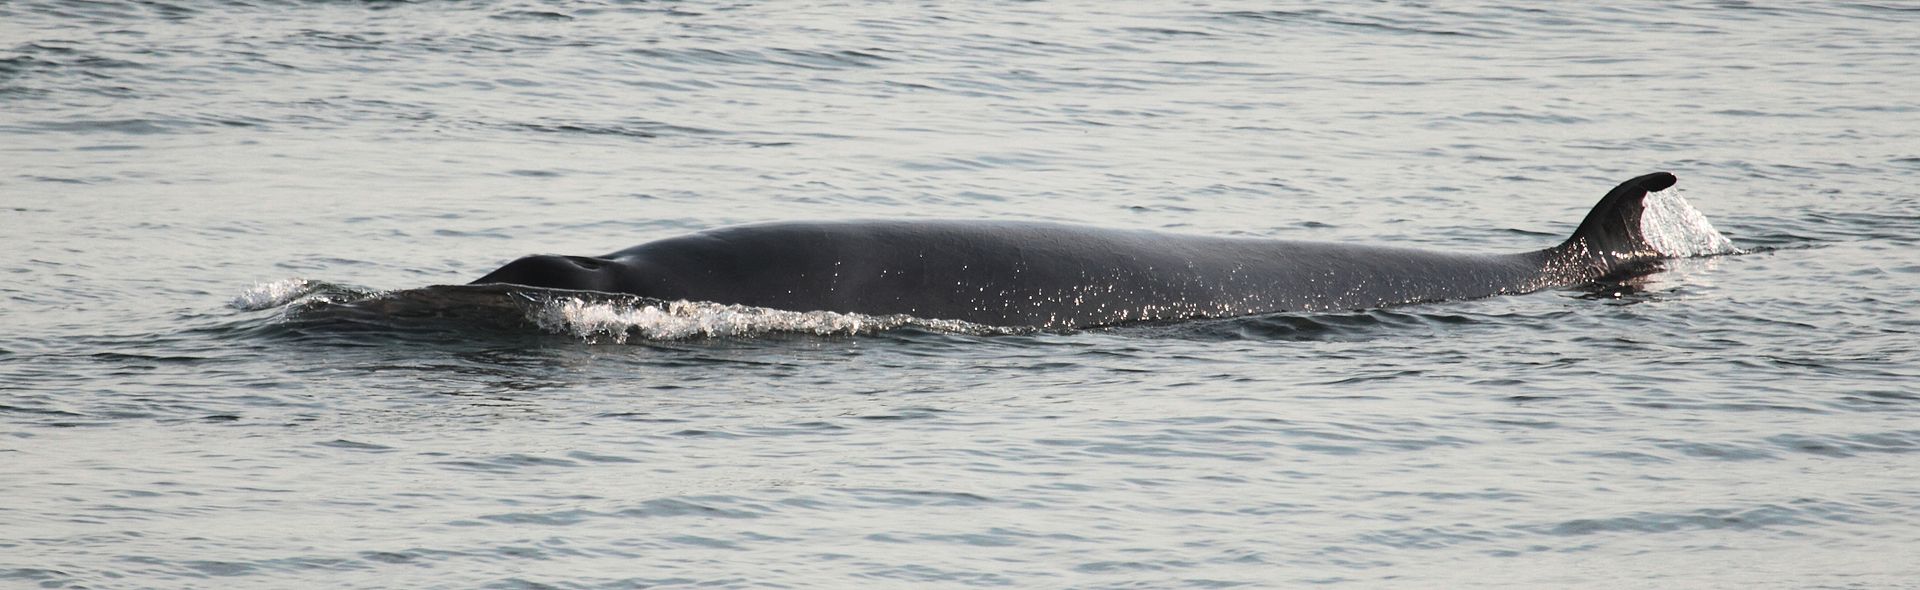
(1048,274)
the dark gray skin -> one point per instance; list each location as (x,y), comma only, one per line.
(1049,275)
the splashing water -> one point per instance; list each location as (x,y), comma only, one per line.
(587,315)
(1672,226)
(274,294)
(678,320)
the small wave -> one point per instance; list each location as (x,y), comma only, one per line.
(1291,326)
(810,59)
(533,15)
(629,129)
(1364,23)
(1676,229)
(135,126)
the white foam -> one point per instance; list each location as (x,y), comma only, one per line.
(1672,226)
(618,321)
(270,295)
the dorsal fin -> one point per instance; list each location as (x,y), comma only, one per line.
(1610,238)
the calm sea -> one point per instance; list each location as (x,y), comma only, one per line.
(187,189)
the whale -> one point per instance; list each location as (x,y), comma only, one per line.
(1066,276)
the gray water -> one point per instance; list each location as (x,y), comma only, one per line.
(187,189)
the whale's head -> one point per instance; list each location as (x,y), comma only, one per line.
(559,272)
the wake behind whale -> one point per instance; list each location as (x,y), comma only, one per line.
(1061,276)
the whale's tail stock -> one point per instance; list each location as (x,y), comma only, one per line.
(1611,240)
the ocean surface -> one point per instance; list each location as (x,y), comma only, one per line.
(210,378)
